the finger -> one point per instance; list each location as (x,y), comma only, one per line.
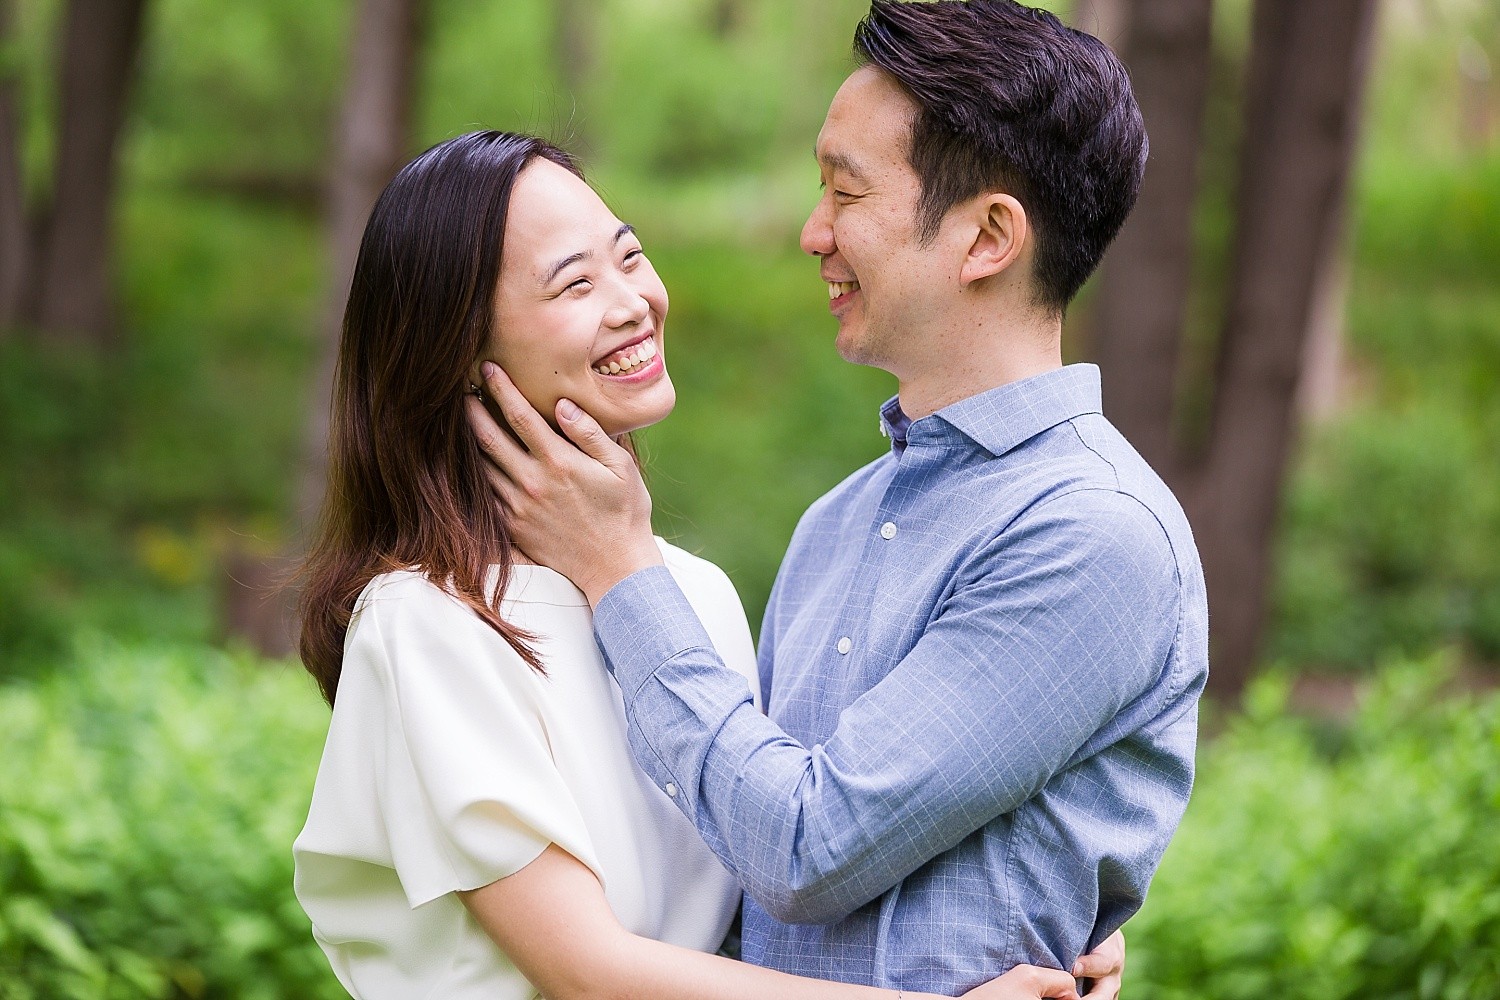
(590,438)
(1104,988)
(496,443)
(1096,965)
(504,488)
(1053,983)
(528,424)
(1105,960)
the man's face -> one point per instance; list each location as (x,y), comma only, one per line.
(885,288)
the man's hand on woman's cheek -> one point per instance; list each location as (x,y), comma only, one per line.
(575,504)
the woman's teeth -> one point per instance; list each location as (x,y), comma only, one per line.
(837,288)
(634,356)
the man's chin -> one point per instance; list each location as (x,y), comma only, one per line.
(854,347)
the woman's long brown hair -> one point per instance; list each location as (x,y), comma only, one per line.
(406,486)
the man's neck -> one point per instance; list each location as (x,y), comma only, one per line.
(988,360)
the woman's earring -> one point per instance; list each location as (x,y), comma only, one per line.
(478,392)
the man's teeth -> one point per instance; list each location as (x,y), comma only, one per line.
(639,355)
(837,288)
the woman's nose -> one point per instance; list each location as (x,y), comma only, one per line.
(631,307)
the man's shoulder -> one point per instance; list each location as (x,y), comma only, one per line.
(1090,458)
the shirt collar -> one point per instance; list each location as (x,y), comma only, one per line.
(1002,418)
(894,423)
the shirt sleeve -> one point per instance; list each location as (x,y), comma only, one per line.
(1003,691)
(469,790)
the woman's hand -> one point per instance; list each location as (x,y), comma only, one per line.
(1027,982)
(1105,965)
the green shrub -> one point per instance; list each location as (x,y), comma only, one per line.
(1335,862)
(147,809)
(151,798)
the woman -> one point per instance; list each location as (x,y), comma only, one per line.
(477,827)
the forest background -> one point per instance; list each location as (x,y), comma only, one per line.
(1302,330)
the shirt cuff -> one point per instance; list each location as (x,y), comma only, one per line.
(642,622)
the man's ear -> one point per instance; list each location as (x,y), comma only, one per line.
(1000,237)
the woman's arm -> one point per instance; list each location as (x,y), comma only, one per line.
(552,920)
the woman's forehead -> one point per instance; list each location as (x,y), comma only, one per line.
(550,204)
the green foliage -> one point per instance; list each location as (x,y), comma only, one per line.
(144,847)
(1335,862)
(1392,537)
(145,843)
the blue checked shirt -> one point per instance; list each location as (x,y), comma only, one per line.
(981,664)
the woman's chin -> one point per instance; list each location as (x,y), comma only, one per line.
(619,424)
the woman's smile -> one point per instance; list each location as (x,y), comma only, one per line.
(636,361)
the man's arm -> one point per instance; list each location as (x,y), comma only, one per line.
(1001,693)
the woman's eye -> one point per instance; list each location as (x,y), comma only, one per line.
(582,284)
(634,254)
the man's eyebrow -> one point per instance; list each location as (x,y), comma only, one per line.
(574,258)
(841,162)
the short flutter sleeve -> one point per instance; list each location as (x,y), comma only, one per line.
(469,790)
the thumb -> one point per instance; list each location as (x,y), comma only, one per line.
(590,438)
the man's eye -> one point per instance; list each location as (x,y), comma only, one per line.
(633,254)
(578,285)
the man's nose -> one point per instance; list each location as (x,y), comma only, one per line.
(817,231)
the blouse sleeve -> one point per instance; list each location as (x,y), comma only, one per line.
(470,791)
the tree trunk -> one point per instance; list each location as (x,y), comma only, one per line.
(1140,307)
(728,18)
(575,48)
(101,39)
(15,237)
(1107,20)
(1308,65)
(373,140)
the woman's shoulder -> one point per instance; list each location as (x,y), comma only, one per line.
(689,568)
(407,592)
(397,594)
(406,614)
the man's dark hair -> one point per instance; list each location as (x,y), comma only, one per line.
(1011,99)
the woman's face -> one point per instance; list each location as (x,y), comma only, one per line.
(579,311)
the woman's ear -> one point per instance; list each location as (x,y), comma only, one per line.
(1001,235)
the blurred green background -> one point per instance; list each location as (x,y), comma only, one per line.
(1343,841)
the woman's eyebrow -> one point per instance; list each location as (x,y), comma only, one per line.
(582,255)
(557,268)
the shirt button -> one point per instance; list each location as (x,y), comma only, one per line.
(888,530)
(845,644)
(671,790)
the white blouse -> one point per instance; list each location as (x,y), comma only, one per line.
(450,764)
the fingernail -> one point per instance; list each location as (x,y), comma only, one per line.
(489,369)
(1078,971)
(567,409)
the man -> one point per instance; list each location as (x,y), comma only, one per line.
(982,656)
